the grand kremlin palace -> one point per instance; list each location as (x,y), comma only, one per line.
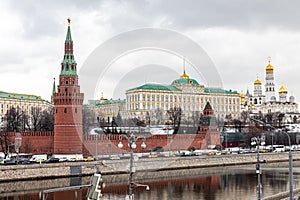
(185,93)
(21,102)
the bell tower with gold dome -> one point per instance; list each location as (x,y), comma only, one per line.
(270,85)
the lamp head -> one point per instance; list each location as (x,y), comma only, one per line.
(120,145)
(147,188)
(143,145)
(133,145)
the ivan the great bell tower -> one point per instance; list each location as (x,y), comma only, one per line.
(68,105)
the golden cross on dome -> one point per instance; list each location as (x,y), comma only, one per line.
(69,21)
(269,59)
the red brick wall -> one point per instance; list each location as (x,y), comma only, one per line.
(43,142)
(108,144)
(33,142)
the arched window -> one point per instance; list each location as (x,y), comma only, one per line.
(65,111)
(75,110)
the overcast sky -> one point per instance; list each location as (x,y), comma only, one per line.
(238,37)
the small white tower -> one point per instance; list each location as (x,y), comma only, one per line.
(282,94)
(257,87)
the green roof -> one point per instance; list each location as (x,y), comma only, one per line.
(219,90)
(185,81)
(20,96)
(69,37)
(155,87)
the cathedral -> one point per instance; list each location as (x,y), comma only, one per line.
(268,103)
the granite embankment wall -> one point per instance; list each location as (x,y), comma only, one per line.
(110,167)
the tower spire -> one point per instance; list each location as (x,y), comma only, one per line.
(184,75)
(68,65)
(54,87)
(69,37)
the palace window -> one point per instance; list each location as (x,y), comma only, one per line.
(65,110)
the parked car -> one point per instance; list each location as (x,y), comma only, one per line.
(88,159)
(152,156)
(115,157)
(63,159)
(10,161)
(26,162)
(52,160)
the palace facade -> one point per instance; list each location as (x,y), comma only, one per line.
(184,93)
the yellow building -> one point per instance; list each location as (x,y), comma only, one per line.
(21,102)
(185,93)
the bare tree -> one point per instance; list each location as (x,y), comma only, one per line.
(35,118)
(5,142)
(280,117)
(253,131)
(245,116)
(175,117)
(88,119)
(47,120)
(13,119)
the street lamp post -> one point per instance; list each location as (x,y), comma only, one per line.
(258,141)
(290,167)
(290,157)
(132,145)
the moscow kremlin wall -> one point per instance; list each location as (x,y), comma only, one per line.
(67,137)
(44,142)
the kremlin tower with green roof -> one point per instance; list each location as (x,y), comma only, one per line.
(67,101)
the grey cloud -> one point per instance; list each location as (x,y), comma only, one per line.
(184,15)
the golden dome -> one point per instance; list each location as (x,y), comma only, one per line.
(102,98)
(282,90)
(257,82)
(184,75)
(269,67)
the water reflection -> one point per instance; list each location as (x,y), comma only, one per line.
(207,184)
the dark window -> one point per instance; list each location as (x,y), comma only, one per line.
(75,110)
(65,110)
(67,82)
